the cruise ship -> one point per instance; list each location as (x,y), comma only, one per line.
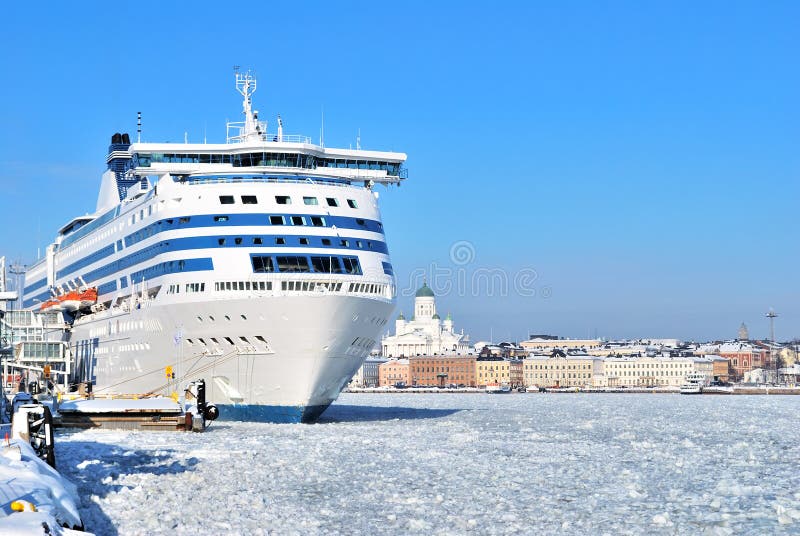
(259,265)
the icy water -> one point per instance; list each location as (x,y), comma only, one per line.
(457,464)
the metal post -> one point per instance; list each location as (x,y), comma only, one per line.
(771,315)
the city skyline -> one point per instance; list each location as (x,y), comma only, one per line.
(636,165)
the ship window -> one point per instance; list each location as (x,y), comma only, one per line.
(332,202)
(237,240)
(359,244)
(298,220)
(249,200)
(221,241)
(352,203)
(317,221)
(310,201)
(283,199)
(257,240)
(280,241)
(304,241)
(262,264)
(293,264)
(326,241)
(226,199)
(220,218)
(351,265)
(229,340)
(360,221)
(344,243)
(276,220)
(326,265)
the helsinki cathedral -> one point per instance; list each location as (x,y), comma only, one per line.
(426,333)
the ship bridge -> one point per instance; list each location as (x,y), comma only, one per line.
(250,147)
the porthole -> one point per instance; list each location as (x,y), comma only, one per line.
(227,318)
(243,317)
(200,319)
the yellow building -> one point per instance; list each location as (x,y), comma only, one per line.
(492,371)
(569,371)
(652,371)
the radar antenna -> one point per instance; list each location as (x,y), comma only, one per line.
(246,86)
(251,129)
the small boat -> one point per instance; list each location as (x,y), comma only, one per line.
(496,389)
(88,297)
(51,305)
(694,383)
(70,301)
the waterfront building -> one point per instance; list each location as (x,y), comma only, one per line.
(426,333)
(720,368)
(515,373)
(790,374)
(562,370)
(368,374)
(393,372)
(492,371)
(658,371)
(441,371)
(744,357)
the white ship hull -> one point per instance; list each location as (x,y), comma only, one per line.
(305,360)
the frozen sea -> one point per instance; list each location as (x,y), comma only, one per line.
(457,464)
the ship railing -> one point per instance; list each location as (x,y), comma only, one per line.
(326,181)
(240,135)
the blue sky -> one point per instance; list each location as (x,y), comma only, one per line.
(641,159)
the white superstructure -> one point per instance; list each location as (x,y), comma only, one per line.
(259,264)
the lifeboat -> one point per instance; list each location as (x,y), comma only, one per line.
(70,301)
(51,305)
(88,297)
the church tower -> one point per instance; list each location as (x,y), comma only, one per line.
(424,303)
(743,334)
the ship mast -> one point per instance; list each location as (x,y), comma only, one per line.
(246,85)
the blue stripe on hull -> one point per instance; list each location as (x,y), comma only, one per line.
(276,414)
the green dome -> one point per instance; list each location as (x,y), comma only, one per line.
(400,316)
(448,316)
(436,316)
(425,291)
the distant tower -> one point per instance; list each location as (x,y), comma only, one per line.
(772,315)
(743,334)
(424,303)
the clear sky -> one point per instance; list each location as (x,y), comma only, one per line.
(627,168)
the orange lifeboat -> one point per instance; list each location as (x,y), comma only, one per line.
(51,305)
(70,301)
(88,297)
